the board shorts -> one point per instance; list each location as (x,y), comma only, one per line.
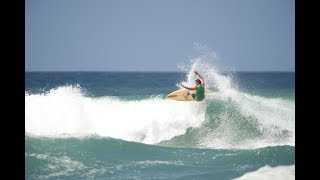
(194,97)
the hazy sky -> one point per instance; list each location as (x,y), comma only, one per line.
(156,35)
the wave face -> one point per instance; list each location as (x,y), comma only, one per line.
(98,125)
(227,118)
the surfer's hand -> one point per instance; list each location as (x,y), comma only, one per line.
(196,72)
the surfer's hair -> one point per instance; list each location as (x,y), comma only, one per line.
(198,80)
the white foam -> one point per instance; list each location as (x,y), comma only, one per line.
(58,166)
(271,173)
(157,162)
(66,111)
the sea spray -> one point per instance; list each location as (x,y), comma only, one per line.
(242,120)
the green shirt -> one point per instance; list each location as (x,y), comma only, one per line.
(200,93)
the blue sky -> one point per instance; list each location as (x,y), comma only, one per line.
(157,35)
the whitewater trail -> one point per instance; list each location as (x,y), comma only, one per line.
(65,111)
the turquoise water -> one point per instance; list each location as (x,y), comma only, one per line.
(101,158)
(119,125)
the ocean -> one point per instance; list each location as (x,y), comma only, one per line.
(120,125)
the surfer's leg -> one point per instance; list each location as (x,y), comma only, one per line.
(193,95)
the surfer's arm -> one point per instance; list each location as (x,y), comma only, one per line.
(189,88)
(202,79)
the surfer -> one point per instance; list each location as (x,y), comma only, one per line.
(199,87)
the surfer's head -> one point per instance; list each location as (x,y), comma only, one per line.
(198,81)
